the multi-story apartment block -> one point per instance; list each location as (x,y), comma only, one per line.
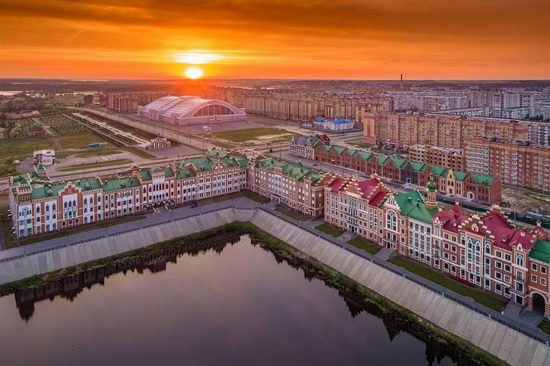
(291,184)
(519,164)
(485,251)
(129,102)
(445,157)
(306,107)
(539,132)
(303,146)
(437,130)
(39,205)
(478,187)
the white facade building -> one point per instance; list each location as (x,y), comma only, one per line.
(187,110)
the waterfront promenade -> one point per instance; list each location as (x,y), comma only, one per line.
(506,338)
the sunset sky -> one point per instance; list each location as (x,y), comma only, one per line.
(346,39)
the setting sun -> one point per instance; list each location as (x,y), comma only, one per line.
(193,72)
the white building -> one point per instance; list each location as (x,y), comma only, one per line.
(187,110)
(44,157)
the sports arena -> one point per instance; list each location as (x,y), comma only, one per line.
(188,110)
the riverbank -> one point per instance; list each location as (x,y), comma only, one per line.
(357,297)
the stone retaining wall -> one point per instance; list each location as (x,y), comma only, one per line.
(507,344)
(67,256)
(498,339)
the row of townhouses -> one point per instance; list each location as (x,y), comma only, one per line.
(482,250)
(481,188)
(39,205)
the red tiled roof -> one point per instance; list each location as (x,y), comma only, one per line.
(452,218)
(378,199)
(506,235)
(337,184)
(366,186)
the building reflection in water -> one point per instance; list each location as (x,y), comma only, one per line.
(153,261)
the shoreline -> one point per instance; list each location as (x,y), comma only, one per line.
(356,295)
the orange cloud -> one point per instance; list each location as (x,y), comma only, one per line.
(356,39)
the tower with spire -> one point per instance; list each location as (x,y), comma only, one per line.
(431,197)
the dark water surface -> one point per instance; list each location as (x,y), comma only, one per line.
(235,306)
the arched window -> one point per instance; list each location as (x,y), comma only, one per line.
(519,260)
(212,110)
(85,201)
(391,220)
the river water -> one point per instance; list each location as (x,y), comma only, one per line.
(231,305)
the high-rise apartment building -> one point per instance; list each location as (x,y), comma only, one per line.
(519,164)
(437,130)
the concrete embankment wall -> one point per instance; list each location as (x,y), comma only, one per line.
(67,256)
(498,339)
(507,344)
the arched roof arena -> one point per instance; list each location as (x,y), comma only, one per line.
(187,109)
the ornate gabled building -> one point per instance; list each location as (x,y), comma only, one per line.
(304,146)
(355,205)
(485,251)
(408,226)
(39,205)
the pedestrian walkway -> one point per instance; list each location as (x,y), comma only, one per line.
(384,254)
(515,311)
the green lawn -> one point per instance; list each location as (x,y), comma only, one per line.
(330,230)
(544,325)
(250,134)
(359,143)
(479,296)
(98,152)
(8,168)
(99,164)
(254,196)
(139,152)
(292,214)
(365,245)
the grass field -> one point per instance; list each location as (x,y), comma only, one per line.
(359,143)
(139,152)
(99,164)
(249,134)
(70,135)
(545,326)
(479,296)
(330,230)
(365,245)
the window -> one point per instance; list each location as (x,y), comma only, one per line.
(533,278)
(391,221)
(519,260)
(534,266)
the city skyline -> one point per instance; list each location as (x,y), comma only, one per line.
(305,40)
